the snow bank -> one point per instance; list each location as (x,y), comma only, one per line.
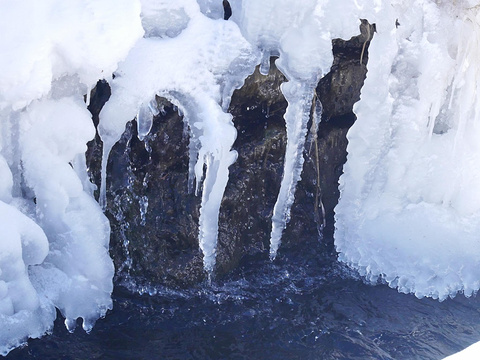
(54,248)
(409,209)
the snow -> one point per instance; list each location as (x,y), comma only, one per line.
(54,248)
(409,210)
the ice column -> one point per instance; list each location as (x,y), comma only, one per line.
(409,208)
(299,97)
(77,273)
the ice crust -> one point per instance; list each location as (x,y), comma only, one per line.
(409,207)
(54,244)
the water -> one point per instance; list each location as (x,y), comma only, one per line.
(304,305)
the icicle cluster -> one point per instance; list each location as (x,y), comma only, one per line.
(198,73)
(196,67)
(301,36)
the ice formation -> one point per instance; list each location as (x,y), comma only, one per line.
(54,246)
(409,210)
(410,201)
(470,353)
(301,36)
(197,66)
(197,61)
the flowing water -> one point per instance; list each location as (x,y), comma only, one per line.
(304,305)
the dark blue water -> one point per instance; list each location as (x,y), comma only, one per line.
(305,305)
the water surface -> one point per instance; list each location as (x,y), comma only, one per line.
(304,305)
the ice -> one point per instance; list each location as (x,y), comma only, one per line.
(409,209)
(212,8)
(470,353)
(43,41)
(78,232)
(301,36)
(410,197)
(197,69)
(163,18)
(299,100)
(54,248)
(144,121)
(23,244)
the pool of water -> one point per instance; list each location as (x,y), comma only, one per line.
(304,305)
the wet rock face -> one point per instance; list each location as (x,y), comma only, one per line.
(254,181)
(340,88)
(154,219)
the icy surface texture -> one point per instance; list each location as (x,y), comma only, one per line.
(409,208)
(77,273)
(301,35)
(197,69)
(54,246)
(42,41)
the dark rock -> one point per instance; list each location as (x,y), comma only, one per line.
(227,10)
(98,97)
(154,218)
(340,88)
(254,182)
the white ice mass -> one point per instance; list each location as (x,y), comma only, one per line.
(409,207)
(409,210)
(54,237)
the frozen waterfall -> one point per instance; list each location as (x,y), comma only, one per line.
(302,38)
(409,210)
(196,67)
(54,244)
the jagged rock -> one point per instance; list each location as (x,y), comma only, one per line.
(340,88)
(155,220)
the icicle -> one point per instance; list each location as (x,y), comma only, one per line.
(316,119)
(265,64)
(153,106)
(299,98)
(107,147)
(144,121)
(216,179)
(195,172)
(87,97)
(102,199)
